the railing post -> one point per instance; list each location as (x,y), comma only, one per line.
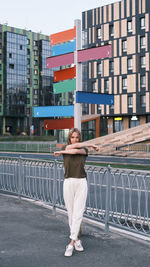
(54,187)
(108,183)
(20,178)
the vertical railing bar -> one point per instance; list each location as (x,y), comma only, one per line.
(108,177)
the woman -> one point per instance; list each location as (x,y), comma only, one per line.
(75,185)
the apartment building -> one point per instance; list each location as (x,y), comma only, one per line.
(25,81)
(126,74)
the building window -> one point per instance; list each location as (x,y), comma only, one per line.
(142,61)
(10,55)
(35,63)
(129,26)
(94,86)
(35,52)
(130,101)
(129,63)
(111,66)
(111,30)
(28,51)
(99,68)
(28,61)
(28,100)
(35,101)
(143,100)
(142,42)
(124,83)
(124,46)
(35,43)
(99,109)
(35,72)
(99,33)
(28,90)
(11,66)
(143,81)
(142,23)
(28,80)
(35,82)
(28,41)
(35,91)
(106,85)
(21,47)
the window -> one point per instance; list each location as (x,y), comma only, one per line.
(130,101)
(35,52)
(143,81)
(28,61)
(99,33)
(28,100)
(124,46)
(106,85)
(28,80)
(35,62)
(35,72)
(11,66)
(28,41)
(21,47)
(10,55)
(35,82)
(142,41)
(94,86)
(111,30)
(35,101)
(99,68)
(35,43)
(99,109)
(28,51)
(35,91)
(111,66)
(142,61)
(129,63)
(129,26)
(28,90)
(143,100)
(124,83)
(142,23)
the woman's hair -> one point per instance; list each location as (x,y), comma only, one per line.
(70,134)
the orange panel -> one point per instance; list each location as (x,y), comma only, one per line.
(62,37)
(65,74)
(58,124)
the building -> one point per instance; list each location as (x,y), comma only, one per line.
(125,25)
(24,80)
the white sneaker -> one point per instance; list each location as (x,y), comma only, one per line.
(78,245)
(69,251)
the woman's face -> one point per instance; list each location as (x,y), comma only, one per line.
(74,138)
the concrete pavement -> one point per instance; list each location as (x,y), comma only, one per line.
(30,236)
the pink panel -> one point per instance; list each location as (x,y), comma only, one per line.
(61,60)
(94,53)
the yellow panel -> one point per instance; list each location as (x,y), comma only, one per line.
(140,7)
(95,70)
(146,41)
(115,48)
(102,85)
(147,61)
(116,66)
(131,81)
(133,25)
(116,29)
(124,101)
(93,35)
(110,13)
(143,6)
(115,85)
(100,12)
(90,70)
(102,109)
(120,47)
(116,11)
(134,58)
(106,32)
(120,84)
(131,45)
(134,103)
(93,17)
(147,102)
(124,27)
(106,67)
(128,8)
(105,14)
(122,9)
(124,65)
(147,81)
(133,8)
(96,16)
(110,85)
(147,22)
(89,35)
(116,104)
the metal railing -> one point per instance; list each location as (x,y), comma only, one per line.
(135,147)
(115,197)
(39,147)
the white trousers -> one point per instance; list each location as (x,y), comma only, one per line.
(75,194)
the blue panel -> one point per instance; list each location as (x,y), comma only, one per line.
(53,111)
(94,98)
(64,48)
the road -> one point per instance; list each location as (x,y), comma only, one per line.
(104,159)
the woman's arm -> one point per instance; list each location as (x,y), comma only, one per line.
(81,145)
(70,151)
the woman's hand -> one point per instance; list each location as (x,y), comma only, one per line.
(57,153)
(95,147)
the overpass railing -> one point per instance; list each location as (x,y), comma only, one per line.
(118,198)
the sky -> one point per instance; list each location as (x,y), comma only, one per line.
(46,16)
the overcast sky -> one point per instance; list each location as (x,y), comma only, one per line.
(47,16)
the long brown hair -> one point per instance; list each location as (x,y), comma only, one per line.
(70,134)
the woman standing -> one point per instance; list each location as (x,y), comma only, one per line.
(75,185)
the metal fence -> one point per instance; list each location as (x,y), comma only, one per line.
(40,147)
(115,197)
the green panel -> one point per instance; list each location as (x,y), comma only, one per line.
(66,86)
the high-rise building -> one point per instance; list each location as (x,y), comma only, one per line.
(25,81)
(126,74)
